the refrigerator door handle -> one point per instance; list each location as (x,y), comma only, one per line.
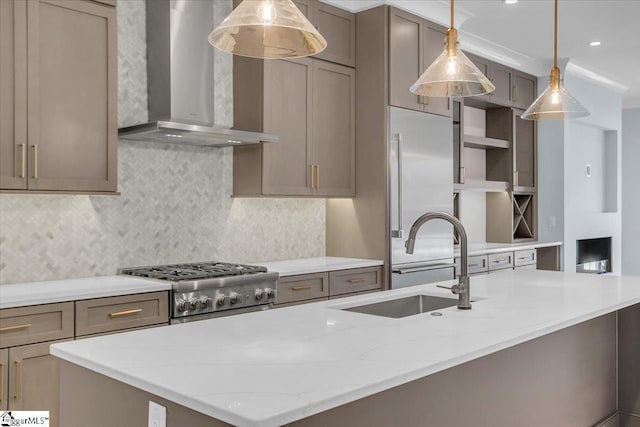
(398,233)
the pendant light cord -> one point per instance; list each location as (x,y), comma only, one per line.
(452,13)
(555,35)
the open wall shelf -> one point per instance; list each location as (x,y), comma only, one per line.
(472,141)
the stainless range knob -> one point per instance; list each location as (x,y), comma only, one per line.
(259,294)
(204,302)
(271,293)
(234,298)
(181,306)
(221,300)
(193,303)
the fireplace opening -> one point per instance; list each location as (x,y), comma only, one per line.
(594,256)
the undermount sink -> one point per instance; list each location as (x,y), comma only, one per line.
(403,307)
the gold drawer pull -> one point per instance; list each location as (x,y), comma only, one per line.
(23,161)
(355,280)
(125,313)
(18,381)
(15,328)
(35,161)
(301,288)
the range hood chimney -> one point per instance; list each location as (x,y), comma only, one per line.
(180,82)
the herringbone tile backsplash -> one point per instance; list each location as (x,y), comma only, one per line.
(175,206)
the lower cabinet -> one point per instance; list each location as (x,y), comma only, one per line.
(29,375)
(33,380)
(306,288)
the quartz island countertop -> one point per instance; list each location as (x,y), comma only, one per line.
(274,367)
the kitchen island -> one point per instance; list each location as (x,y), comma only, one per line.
(538,348)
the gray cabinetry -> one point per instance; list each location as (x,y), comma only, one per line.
(337,26)
(306,288)
(524,90)
(524,153)
(13,94)
(4,376)
(310,105)
(502,78)
(414,44)
(29,375)
(69,62)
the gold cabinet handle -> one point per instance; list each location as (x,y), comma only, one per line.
(463,175)
(317,176)
(125,313)
(515,93)
(18,380)
(1,382)
(15,327)
(311,176)
(516,178)
(301,288)
(35,161)
(23,160)
(355,280)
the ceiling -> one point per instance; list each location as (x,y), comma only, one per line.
(521,35)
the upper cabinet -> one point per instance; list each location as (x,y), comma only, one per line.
(337,26)
(524,90)
(310,105)
(61,135)
(414,44)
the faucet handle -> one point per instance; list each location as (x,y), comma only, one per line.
(455,289)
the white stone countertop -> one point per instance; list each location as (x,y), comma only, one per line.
(317,265)
(494,248)
(273,367)
(23,294)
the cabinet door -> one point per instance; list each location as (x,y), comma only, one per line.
(34,380)
(334,129)
(287,113)
(72,79)
(4,378)
(481,63)
(13,94)
(306,7)
(338,27)
(524,152)
(433,47)
(406,37)
(502,78)
(524,90)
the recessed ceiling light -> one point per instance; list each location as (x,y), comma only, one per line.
(595,43)
(510,1)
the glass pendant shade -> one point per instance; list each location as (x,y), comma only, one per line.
(267,29)
(555,103)
(452,74)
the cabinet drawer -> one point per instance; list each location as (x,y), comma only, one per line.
(302,287)
(527,257)
(111,314)
(353,295)
(500,261)
(477,264)
(356,280)
(37,323)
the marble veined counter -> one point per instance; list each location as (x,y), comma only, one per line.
(274,367)
(33,293)
(317,265)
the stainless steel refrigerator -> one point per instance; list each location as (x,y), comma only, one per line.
(421,169)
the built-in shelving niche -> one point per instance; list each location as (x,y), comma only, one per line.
(523,216)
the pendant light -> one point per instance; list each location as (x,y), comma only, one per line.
(267,29)
(555,103)
(452,73)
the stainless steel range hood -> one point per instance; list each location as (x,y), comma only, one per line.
(180,79)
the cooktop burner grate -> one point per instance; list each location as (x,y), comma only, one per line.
(193,271)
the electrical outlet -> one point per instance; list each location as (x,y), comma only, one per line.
(588,168)
(157,415)
(552,222)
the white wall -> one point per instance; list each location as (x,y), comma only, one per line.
(175,206)
(630,191)
(586,140)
